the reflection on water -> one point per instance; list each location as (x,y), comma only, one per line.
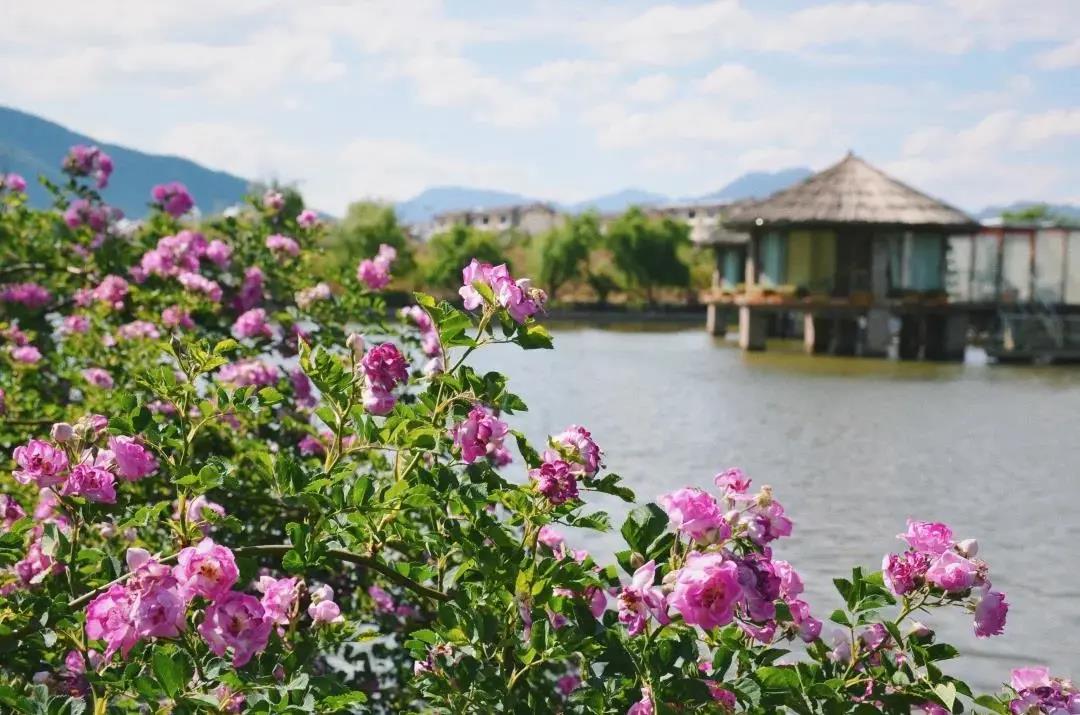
(852,447)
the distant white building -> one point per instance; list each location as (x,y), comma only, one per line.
(531,219)
(706,221)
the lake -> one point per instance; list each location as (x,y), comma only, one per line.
(852,448)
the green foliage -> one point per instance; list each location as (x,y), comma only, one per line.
(565,250)
(358,235)
(449,252)
(646,251)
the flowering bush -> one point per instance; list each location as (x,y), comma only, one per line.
(233,483)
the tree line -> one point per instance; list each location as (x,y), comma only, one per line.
(635,258)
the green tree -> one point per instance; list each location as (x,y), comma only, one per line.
(1038,213)
(357,236)
(564,251)
(646,251)
(447,252)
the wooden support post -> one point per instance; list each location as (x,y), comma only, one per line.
(946,336)
(877,339)
(715,318)
(753,327)
(911,337)
(845,336)
(817,333)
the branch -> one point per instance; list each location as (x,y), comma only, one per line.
(373,564)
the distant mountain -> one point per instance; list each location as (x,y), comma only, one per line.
(618,201)
(758,184)
(438,199)
(1069,211)
(30,145)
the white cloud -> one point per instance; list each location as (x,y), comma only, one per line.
(558,74)
(652,88)
(731,80)
(1060,57)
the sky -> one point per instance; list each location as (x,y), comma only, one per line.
(974,101)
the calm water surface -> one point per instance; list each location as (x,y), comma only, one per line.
(852,448)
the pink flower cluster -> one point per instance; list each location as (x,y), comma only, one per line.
(282,246)
(176,317)
(89,161)
(641,599)
(138,330)
(12,182)
(273,200)
(384,369)
(28,295)
(252,324)
(307,219)
(375,272)
(934,561)
(576,445)
(251,372)
(111,291)
(317,293)
(200,284)
(1037,692)
(98,377)
(481,435)
(251,290)
(174,255)
(519,298)
(173,198)
(83,212)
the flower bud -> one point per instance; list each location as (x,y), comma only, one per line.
(732,516)
(968,548)
(636,560)
(279,672)
(62,432)
(920,632)
(355,342)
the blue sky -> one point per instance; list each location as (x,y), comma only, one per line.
(976,101)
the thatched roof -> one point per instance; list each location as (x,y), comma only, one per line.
(850,192)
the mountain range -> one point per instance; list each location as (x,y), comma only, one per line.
(32,146)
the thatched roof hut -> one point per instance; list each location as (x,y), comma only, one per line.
(850,192)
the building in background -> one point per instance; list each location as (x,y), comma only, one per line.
(531,219)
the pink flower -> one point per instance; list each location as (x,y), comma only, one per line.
(98,377)
(137,330)
(218,252)
(238,621)
(29,295)
(990,612)
(556,481)
(384,603)
(173,198)
(952,572)
(767,523)
(518,297)
(481,434)
(905,572)
(791,584)
(93,483)
(133,460)
(176,317)
(111,291)
(273,200)
(279,598)
(310,446)
(282,245)
(315,294)
(245,373)
(27,354)
(375,272)
(706,590)
(696,514)
(641,599)
(809,628)
(108,618)
(207,570)
(13,182)
(643,706)
(384,367)
(158,610)
(301,386)
(732,481)
(552,539)
(82,212)
(41,463)
(307,219)
(929,536)
(200,284)
(84,160)
(76,324)
(10,512)
(322,608)
(1030,678)
(37,565)
(198,510)
(568,683)
(252,324)
(576,444)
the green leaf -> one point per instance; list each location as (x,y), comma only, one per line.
(270,396)
(776,679)
(171,668)
(533,336)
(947,693)
(643,525)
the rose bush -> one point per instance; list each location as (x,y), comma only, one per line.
(234,483)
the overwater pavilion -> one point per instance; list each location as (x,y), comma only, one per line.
(846,257)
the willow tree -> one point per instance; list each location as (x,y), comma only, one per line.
(646,251)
